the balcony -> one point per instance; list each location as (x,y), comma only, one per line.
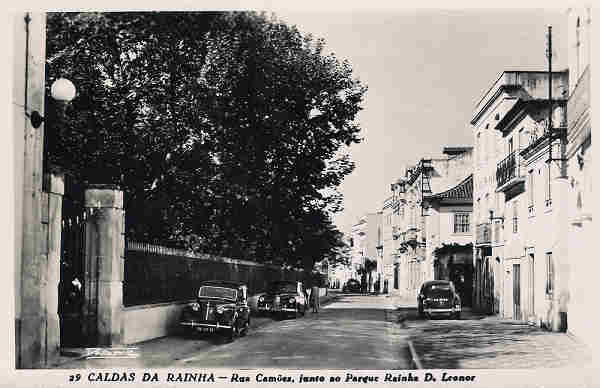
(508,173)
(484,234)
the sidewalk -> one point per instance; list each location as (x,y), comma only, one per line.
(494,343)
(399,302)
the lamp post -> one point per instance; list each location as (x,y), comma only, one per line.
(62,90)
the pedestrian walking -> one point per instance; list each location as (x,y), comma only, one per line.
(314,298)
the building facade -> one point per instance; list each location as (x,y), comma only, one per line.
(374,251)
(579,200)
(529,182)
(449,226)
(358,238)
(389,275)
(495,185)
(413,260)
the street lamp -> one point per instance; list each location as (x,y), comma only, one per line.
(61,90)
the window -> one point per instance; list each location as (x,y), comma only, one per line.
(479,150)
(578,49)
(510,146)
(549,274)
(515,217)
(461,223)
(548,184)
(531,83)
(530,189)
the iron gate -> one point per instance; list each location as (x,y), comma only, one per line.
(71,294)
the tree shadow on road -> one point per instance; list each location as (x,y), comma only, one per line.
(489,344)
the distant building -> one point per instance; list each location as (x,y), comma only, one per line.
(413,262)
(358,246)
(388,248)
(449,240)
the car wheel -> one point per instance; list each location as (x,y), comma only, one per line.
(246,328)
(234,332)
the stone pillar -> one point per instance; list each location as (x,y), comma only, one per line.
(104,265)
(52,225)
(29,30)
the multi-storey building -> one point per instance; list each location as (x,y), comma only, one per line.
(413,263)
(579,229)
(375,250)
(358,243)
(387,215)
(449,242)
(516,241)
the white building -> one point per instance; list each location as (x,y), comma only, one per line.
(449,241)
(413,262)
(579,177)
(506,119)
(530,184)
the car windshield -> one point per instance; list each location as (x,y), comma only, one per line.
(282,287)
(218,292)
(439,286)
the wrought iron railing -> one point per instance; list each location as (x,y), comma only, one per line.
(507,169)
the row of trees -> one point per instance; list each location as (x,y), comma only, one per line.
(227,132)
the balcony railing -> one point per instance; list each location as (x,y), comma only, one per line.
(484,234)
(508,172)
(507,169)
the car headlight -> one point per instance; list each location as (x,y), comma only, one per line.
(195,306)
(220,309)
(261,299)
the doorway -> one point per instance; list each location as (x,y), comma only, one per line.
(531,285)
(517,291)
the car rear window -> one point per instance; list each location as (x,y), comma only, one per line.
(218,292)
(442,286)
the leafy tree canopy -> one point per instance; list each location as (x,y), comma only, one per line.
(226,131)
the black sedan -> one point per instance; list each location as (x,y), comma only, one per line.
(351,285)
(284,298)
(221,306)
(438,297)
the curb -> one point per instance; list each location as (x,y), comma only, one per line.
(415,361)
(414,357)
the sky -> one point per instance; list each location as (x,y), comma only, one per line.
(426,70)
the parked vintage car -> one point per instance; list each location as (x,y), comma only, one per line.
(284,298)
(352,285)
(221,307)
(438,297)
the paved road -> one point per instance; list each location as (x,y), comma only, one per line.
(353,332)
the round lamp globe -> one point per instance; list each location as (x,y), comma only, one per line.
(63,90)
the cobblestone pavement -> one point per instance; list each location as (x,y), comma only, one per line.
(480,342)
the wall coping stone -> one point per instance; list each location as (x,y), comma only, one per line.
(154,305)
(102,186)
(103,196)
